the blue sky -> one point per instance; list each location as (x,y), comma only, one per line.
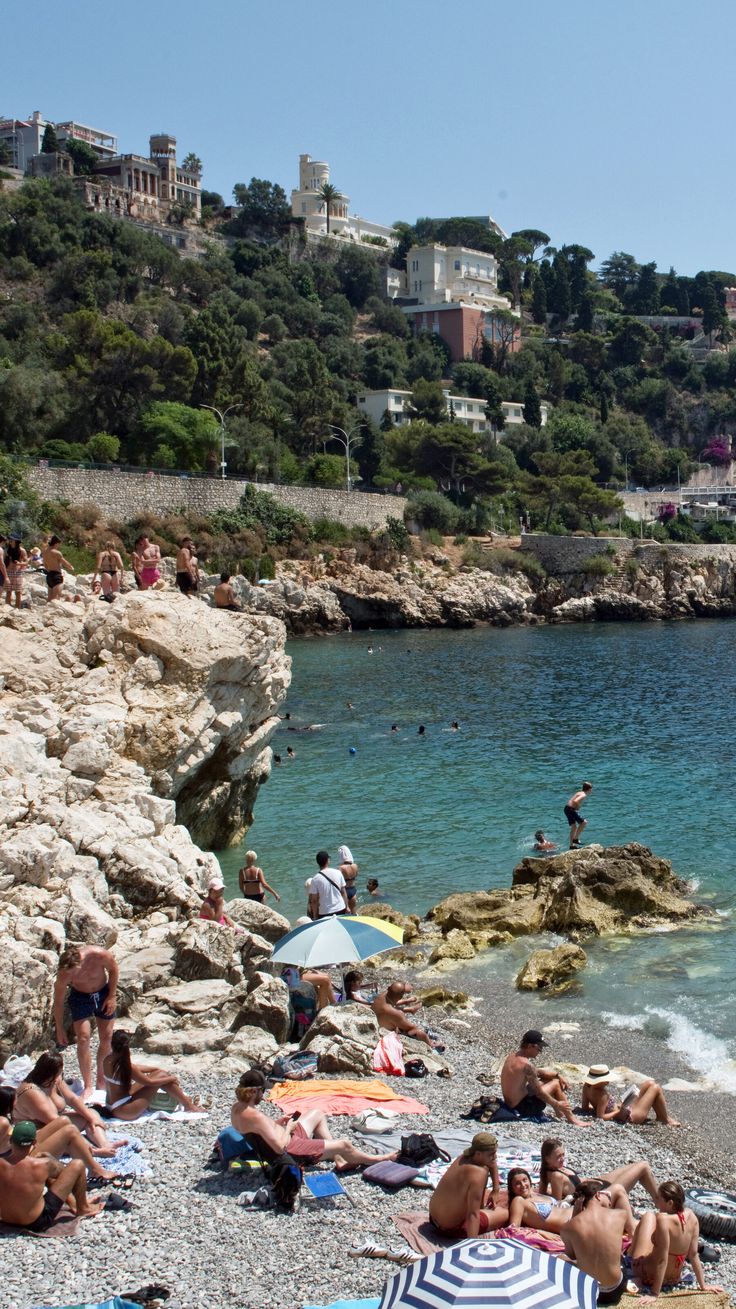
(598,122)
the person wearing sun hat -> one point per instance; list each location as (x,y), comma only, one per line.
(635,1106)
(212,908)
(527,1091)
(462,1203)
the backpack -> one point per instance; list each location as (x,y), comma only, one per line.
(285,1180)
(418,1149)
(294,1067)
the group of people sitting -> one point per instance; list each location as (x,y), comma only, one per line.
(592,1216)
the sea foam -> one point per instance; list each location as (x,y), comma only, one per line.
(704,1052)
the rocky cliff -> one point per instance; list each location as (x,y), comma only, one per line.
(126,732)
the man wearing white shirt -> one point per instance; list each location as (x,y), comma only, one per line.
(327,894)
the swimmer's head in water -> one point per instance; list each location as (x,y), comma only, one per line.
(422,730)
(539,836)
(372,884)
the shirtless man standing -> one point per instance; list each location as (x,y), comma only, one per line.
(462,1204)
(393,1020)
(53,562)
(33,1192)
(665,1241)
(529,1090)
(593,1240)
(90,974)
(573,815)
(186,572)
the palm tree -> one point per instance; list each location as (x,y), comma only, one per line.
(329,194)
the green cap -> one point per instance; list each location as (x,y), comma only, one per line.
(24,1133)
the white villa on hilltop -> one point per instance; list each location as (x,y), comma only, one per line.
(307,203)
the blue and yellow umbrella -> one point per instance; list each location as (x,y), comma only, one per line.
(336,940)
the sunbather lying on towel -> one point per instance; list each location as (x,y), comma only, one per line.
(462,1203)
(306,1137)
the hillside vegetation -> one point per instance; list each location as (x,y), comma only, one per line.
(110,343)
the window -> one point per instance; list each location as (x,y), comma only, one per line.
(457,265)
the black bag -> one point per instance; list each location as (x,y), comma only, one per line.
(418,1149)
(285,1180)
(415,1068)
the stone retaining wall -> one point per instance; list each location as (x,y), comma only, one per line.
(563,555)
(124,495)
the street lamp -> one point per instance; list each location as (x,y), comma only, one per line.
(347,440)
(222,416)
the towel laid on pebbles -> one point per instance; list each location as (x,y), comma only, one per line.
(511,1153)
(67,1224)
(342,1096)
(420,1233)
(129,1160)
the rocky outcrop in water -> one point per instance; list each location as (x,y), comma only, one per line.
(551,970)
(118,725)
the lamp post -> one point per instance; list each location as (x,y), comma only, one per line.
(222,416)
(347,440)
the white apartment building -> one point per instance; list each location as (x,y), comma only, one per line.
(24,137)
(437,274)
(307,203)
(463,408)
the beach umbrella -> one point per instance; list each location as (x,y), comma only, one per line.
(490,1275)
(336,940)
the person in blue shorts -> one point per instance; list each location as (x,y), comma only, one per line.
(573,815)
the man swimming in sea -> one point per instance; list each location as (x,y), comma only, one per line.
(573,815)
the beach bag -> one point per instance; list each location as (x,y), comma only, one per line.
(231,1144)
(375,1121)
(391,1175)
(415,1068)
(418,1149)
(296,1067)
(285,1178)
(388,1056)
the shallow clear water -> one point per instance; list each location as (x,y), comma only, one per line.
(644,712)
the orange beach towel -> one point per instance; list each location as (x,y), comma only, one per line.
(342,1096)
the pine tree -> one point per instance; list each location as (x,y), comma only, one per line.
(532,407)
(603,408)
(50,142)
(560,301)
(539,301)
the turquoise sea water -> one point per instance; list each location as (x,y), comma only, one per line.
(644,712)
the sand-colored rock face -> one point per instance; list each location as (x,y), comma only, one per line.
(118,724)
(551,970)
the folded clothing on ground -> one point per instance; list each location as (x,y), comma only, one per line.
(342,1096)
(390,1174)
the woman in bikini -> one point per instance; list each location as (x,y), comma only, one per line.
(58,1137)
(44,1097)
(130,1088)
(597,1099)
(527,1208)
(559,1181)
(665,1241)
(16,561)
(252,880)
(349,870)
(53,562)
(110,569)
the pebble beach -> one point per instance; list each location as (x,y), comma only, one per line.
(186,1230)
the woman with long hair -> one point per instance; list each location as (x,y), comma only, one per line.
(130,1088)
(59,1137)
(109,566)
(559,1181)
(528,1208)
(44,1096)
(16,561)
(666,1241)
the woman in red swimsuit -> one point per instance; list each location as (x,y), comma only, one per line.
(665,1241)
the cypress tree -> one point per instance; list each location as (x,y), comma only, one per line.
(50,142)
(532,407)
(539,301)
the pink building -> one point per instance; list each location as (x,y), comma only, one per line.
(462,327)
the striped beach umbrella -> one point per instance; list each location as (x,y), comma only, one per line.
(483,1274)
(338,940)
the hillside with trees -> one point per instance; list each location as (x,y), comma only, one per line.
(112,346)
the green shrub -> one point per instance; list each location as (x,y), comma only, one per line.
(432,509)
(103,448)
(432,537)
(267,567)
(460,539)
(631,568)
(81,560)
(259,511)
(327,531)
(397,534)
(597,566)
(248,569)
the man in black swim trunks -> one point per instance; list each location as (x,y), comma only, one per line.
(592,1240)
(186,569)
(33,1191)
(90,974)
(573,815)
(528,1091)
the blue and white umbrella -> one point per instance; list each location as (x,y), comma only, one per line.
(482,1274)
(337,940)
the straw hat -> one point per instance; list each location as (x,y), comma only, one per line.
(597,1074)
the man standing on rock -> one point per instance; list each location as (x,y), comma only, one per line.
(328,895)
(90,975)
(186,569)
(528,1091)
(573,815)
